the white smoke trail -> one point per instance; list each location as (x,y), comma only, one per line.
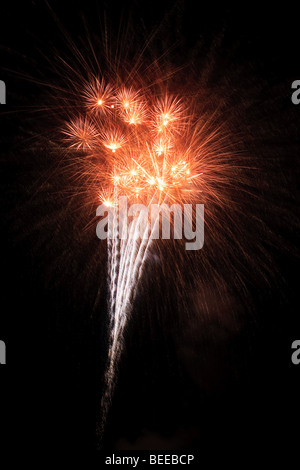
(126,260)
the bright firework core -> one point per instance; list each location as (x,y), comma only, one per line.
(146,141)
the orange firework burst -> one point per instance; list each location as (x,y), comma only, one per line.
(99,97)
(81,134)
(145,144)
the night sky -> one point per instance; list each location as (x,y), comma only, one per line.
(209,382)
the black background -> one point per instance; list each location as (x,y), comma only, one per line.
(50,387)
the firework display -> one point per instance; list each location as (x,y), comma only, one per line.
(149,211)
(150,149)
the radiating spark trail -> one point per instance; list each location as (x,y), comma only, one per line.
(127,258)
